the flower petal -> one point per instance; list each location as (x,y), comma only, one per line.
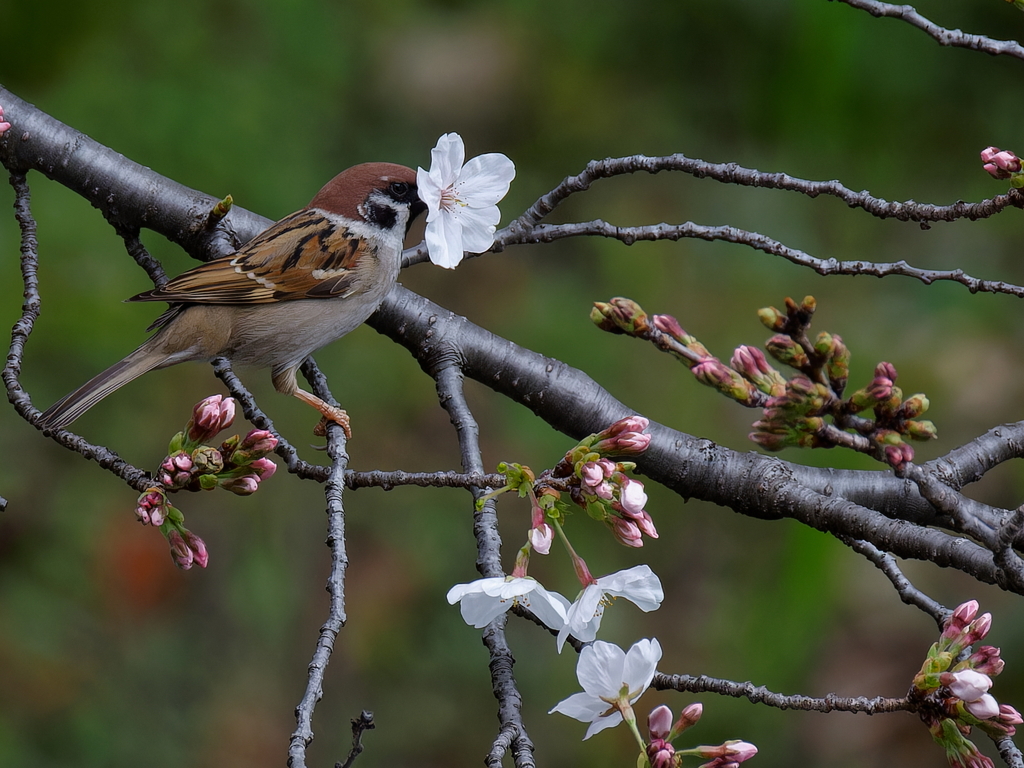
(641,663)
(447,158)
(549,607)
(600,669)
(580,706)
(444,242)
(485,179)
(640,585)
(479,610)
(478,226)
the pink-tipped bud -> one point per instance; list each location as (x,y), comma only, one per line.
(668,324)
(627,532)
(659,722)
(967,684)
(541,538)
(199,554)
(4,125)
(1009,716)
(646,525)
(986,661)
(1000,164)
(984,708)
(180,551)
(256,444)
(623,438)
(242,486)
(263,467)
(661,754)
(150,504)
(209,417)
(960,618)
(688,717)
(632,497)
(591,475)
(978,629)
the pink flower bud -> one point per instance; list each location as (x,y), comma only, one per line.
(978,629)
(967,684)
(632,497)
(958,621)
(592,474)
(688,717)
(198,548)
(1009,716)
(1000,164)
(243,486)
(659,722)
(983,708)
(661,754)
(627,532)
(181,461)
(986,661)
(259,441)
(646,525)
(541,538)
(180,552)
(263,467)
(4,125)
(668,324)
(989,153)
(209,417)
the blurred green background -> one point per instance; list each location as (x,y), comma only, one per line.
(110,657)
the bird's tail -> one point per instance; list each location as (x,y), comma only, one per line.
(69,408)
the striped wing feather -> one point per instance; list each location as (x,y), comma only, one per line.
(303,256)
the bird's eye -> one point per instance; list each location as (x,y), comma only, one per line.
(398,189)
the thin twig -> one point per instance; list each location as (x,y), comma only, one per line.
(545,233)
(758,694)
(336,618)
(908,593)
(943,36)
(360,725)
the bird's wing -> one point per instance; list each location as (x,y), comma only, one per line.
(302,256)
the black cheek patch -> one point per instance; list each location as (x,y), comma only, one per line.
(384,216)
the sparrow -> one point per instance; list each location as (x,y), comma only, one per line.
(307,280)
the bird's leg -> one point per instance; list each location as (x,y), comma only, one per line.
(285,383)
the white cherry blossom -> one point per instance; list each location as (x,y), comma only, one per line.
(612,680)
(483,600)
(462,199)
(639,584)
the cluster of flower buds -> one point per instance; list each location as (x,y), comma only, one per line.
(593,481)
(953,696)
(661,753)
(806,410)
(600,485)
(187,549)
(237,464)
(1003,164)
(794,418)
(896,418)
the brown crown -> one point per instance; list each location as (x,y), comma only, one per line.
(345,192)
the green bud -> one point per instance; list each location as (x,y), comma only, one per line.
(620,315)
(914,406)
(207,482)
(207,459)
(787,351)
(176,444)
(921,430)
(771,318)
